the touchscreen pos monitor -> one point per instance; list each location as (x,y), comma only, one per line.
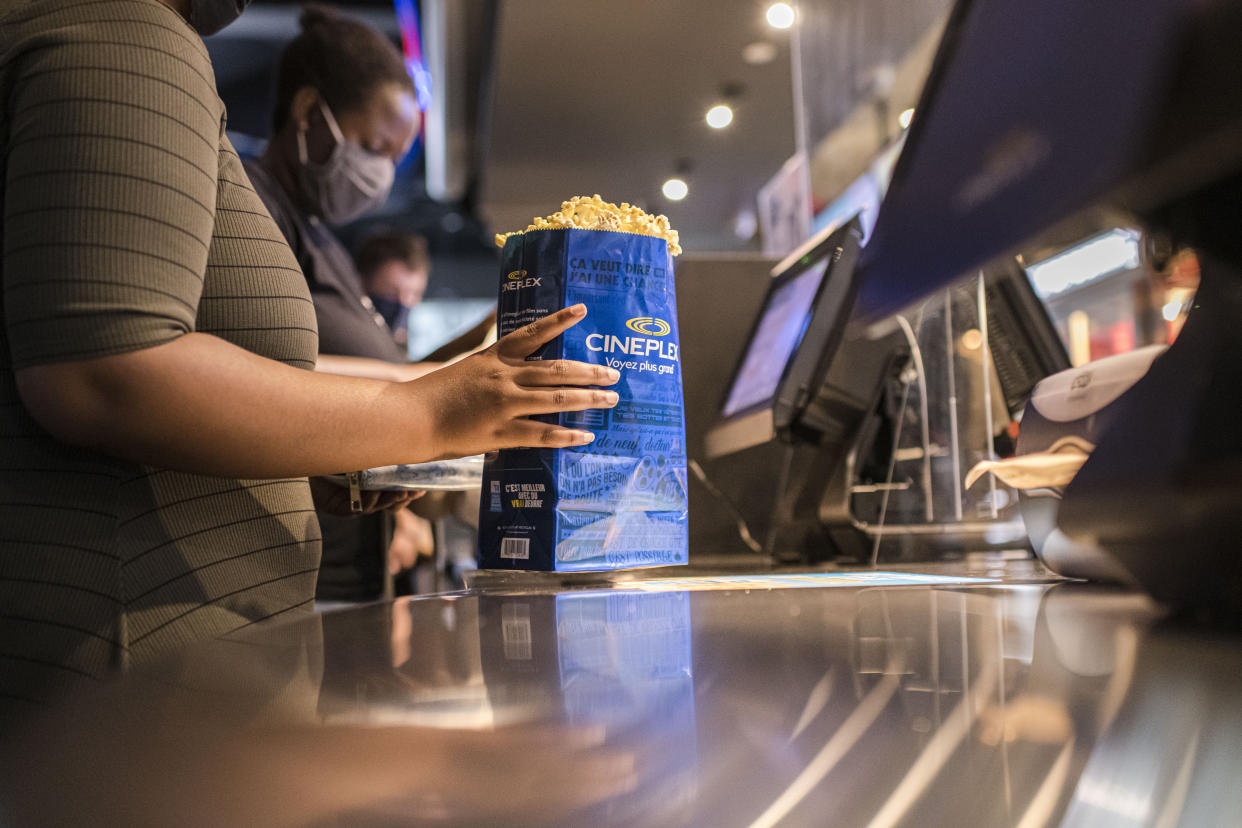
(800,322)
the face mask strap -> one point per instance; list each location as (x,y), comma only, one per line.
(303,158)
(333,127)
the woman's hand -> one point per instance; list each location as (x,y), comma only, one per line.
(485,401)
(411,537)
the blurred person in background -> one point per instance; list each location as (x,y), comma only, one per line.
(394,268)
(158,412)
(346,114)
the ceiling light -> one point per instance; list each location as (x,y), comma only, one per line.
(719,116)
(780,15)
(675,189)
(759,53)
(905,117)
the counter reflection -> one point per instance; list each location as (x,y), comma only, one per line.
(619,662)
(1002,705)
(609,669)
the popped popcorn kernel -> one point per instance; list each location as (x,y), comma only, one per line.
(593,213)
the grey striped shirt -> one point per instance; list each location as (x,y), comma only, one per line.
(128,221)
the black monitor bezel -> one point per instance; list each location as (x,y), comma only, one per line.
(1008,280)
(1180,124)
(829,312)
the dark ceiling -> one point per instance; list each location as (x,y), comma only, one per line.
(610,98)
(603,96)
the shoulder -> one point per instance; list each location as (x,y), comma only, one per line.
(126,39)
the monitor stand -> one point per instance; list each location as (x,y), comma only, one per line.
(830,440)
(1162,491)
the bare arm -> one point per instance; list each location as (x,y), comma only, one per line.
(203,405)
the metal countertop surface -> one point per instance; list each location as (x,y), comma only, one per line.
(819,700)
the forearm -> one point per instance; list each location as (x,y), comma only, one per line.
(203,405)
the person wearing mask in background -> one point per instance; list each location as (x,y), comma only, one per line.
(346,113)
(158,411)
(394,269)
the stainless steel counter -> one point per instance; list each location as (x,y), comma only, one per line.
(1008,703)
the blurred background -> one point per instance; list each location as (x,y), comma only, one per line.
(528,104)
(686,109)
(752,126)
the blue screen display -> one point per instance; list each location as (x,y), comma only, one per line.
(780,330)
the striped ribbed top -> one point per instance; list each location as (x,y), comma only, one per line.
(129,221)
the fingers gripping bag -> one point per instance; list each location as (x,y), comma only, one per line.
(620,501)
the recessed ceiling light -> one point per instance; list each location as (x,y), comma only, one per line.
(780,15)
(675,189)
(759,53)
(719,116)
(905,117)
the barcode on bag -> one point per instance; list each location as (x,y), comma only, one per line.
(516,548)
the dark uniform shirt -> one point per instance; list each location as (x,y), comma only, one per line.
(348,323)
(353,548)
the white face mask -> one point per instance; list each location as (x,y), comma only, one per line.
(350,183)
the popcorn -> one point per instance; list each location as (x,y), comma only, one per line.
(594,213)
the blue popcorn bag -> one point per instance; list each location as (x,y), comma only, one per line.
(620,501)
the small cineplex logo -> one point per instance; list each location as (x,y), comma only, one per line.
(648,326)
(518,279)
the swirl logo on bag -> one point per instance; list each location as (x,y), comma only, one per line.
(649,326)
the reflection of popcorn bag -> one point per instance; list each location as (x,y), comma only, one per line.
(621,500)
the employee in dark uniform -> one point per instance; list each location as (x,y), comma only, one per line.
(158,414)
(346,112)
